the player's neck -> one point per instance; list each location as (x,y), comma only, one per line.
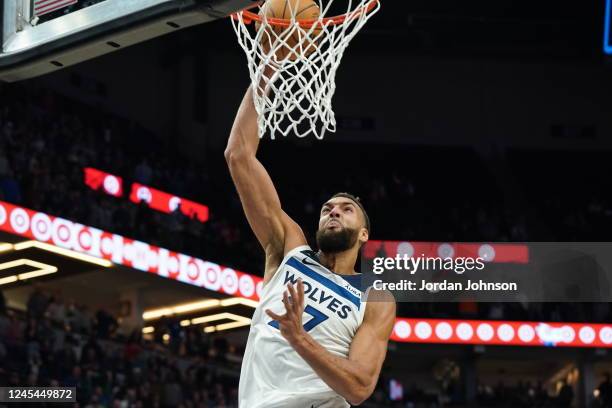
(342,263)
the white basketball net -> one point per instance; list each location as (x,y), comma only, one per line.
(296,98)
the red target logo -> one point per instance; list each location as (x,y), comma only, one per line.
(229,281)
(247,286)
(212,276)
(20,221)
(41,227)
(2,215)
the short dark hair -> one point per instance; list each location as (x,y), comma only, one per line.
(357,201)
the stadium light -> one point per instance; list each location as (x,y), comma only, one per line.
(43,269)
(225,326)
(233,325)
(46,270)
(196,306)
(4,246)
(190,307)
(240,321)
(63,251)
(7,280)
(219,316)
(180,309)
(239,301)
(155,314)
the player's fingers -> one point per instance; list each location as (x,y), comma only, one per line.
(300,291)
(287,303)
(274,315)
(295,301)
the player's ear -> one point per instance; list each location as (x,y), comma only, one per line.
(364,235)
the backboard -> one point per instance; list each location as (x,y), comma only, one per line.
(42,36)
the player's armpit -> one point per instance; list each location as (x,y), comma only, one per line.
(293,234)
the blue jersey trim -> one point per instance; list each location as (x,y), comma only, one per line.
(353,280)
(339,290)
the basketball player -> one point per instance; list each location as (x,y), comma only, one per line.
(313,341)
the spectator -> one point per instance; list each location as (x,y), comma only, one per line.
(566,395)
(80,318)
(605,391)
(105,324)
(56,311)
(37,303)
(2,304)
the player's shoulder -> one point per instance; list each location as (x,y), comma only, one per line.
(379,296)
(381,306)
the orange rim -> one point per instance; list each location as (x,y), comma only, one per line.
(249,17)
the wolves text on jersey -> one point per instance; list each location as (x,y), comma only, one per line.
(321,296)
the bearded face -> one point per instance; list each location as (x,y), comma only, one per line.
(342,225)
(336,240)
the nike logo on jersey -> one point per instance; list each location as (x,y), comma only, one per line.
(305,261)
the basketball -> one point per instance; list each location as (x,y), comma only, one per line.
(293,35)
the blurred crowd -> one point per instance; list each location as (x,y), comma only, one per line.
(521,395)
(525,395)
(58,343)
(570,195)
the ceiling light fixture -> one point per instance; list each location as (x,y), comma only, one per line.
(42,269)
(63,251)
(195,306)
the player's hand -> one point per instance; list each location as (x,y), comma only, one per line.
(290,323)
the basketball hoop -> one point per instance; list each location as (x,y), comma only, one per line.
(293,62)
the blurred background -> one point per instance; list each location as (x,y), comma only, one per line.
(468,121)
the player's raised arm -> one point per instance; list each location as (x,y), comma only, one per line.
(276,232)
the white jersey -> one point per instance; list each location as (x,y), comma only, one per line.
(273,374)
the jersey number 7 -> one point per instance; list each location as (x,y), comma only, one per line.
(317,318)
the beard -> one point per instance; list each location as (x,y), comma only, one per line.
(332,242)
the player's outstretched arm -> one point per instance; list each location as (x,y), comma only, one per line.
(276,232)
(354,377)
